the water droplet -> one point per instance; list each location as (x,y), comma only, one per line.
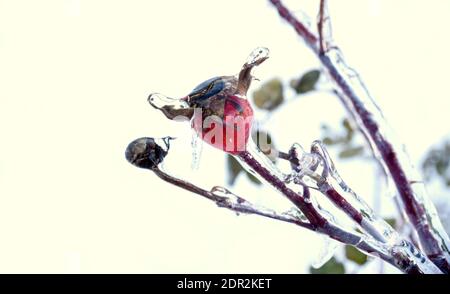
(220,191)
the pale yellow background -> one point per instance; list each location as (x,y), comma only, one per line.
(74,78)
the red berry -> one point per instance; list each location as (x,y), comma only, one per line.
(229,132)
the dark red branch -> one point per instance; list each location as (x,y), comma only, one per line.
(320,25)
(240,206)
(310,38)
(432,242)
(311,214)
(321,224)
(340,202)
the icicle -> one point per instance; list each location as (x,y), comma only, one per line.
(197,147)
(257,56)
(327,250)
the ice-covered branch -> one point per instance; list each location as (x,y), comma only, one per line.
(324,27)
(147,153)
(221,116)
(421,212)
(317,169)
(378,239)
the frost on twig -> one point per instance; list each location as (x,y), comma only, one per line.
(419,209)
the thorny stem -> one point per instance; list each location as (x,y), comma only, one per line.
(420,211)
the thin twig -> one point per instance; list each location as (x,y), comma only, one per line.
(320,25)
(232,201)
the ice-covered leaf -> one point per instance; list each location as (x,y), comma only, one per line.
(264,142)
(333,137)
(270,95)
(355,255)
(391,221)
(235,168)
(351,152)
(437,163)
(253,179)
(342,139)
(307,82)
(348,128)
(328,248)
(332,266)
(329,141)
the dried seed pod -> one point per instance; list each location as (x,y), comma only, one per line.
(146,153)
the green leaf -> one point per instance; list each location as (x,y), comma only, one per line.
(269,96)
(437,163)
(329,141)
(349,129)
(264,142)
(307,82)
(391,221)
(253,179)
(235,168)
(355,255)
(351,152)
(441,167)
(330,267)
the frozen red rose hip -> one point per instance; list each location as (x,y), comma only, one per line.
(218,108)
